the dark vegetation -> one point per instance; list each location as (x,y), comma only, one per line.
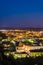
(4,60)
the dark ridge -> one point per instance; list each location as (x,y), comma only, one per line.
(21,28)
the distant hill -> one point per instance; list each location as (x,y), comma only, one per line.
(21,28)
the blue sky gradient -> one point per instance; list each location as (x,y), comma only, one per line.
(21,13)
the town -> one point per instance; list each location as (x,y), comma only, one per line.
(22,41)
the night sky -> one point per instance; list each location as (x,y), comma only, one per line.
(21,13)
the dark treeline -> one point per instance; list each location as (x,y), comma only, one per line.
(21,61)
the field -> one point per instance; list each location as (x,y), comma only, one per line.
(36,54)
(24,55)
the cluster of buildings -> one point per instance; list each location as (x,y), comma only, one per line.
(17,34)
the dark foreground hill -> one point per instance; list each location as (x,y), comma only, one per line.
(21,61)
